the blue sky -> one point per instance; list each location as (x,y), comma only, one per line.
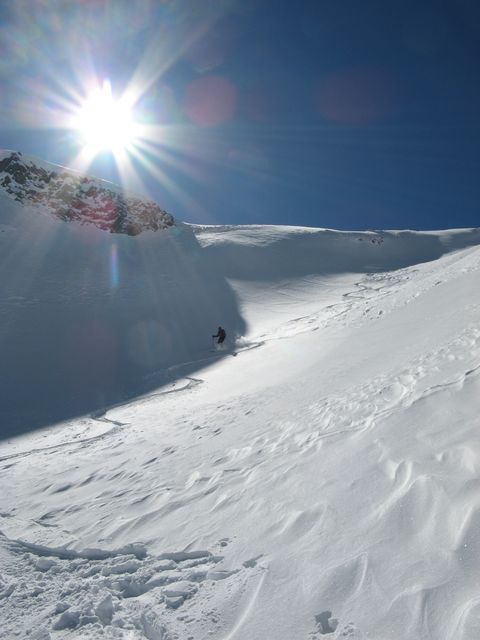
(341,114)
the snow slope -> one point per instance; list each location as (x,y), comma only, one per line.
(323,483)
(90,318)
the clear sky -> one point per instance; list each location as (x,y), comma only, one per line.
(346,114)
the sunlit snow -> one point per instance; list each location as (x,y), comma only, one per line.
(321,483)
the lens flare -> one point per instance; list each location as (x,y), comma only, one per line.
(114,271)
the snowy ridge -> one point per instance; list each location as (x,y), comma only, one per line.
(67,195)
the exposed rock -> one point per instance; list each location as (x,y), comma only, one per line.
(71,196)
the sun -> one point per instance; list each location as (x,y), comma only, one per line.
(106,124)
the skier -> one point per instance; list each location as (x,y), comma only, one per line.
(220,335)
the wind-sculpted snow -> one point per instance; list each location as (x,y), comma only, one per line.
(322,483)
(70,196)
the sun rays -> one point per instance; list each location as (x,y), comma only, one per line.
(106,82)
(106,124)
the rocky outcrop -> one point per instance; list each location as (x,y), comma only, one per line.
(71,196)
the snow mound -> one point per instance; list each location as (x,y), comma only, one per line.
(71,196)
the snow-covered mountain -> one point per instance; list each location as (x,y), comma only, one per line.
(322,483)
(69,195)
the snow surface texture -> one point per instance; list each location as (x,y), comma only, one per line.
(71,196)
(324,483)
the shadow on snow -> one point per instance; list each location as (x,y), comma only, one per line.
(90,319)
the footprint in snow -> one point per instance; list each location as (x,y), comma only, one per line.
(325,624)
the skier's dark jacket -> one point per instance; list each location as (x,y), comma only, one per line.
(221,335)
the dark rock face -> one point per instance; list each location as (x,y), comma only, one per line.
(71,196)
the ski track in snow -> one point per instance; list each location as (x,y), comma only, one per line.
(285,470)
(375,295)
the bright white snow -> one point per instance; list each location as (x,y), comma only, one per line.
(325,482)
